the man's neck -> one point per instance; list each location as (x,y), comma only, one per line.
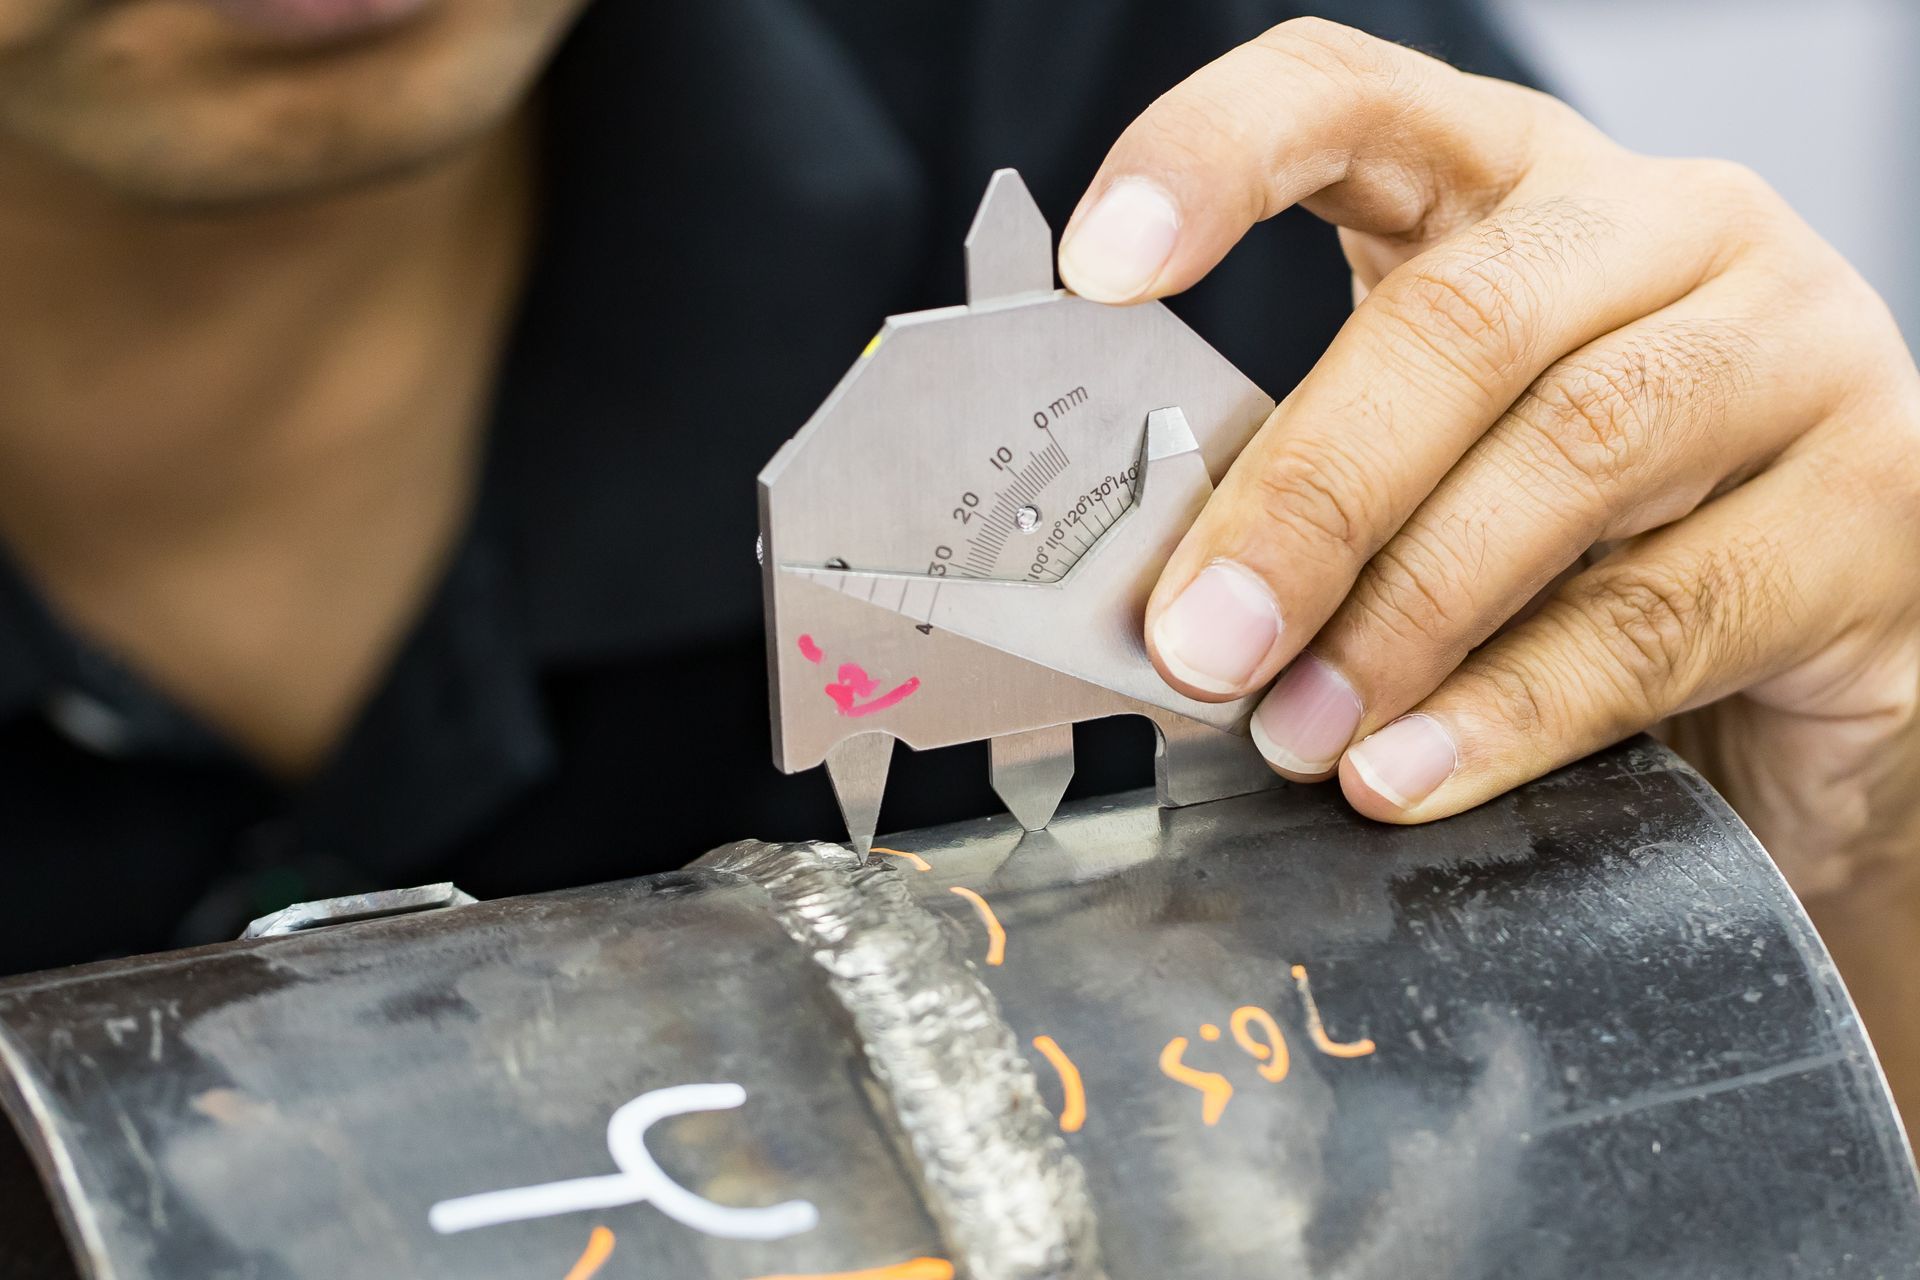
(236,445)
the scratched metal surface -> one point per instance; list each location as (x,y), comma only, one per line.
(1581,1032)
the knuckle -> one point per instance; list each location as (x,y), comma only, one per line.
(1554,115)
(1476,297)
(1591,418)
(1647,624)
(1329,46)
(1629,642)
(1832,476)
(1524,696)
(1318,498)
(1415,590)
(1701,365)
(1470,316)
(1744,202)
(1590,414)
(1855,300)
(1565,507)
(1732,180)
(1871,456)
(1546,232)
(1830,299)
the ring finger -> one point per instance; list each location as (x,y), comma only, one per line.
(1626,434)
(1678,618)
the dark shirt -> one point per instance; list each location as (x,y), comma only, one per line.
(734,194)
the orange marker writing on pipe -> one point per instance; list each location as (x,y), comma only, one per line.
(1272,1052)
(914,1269)
(1073,1110)
(599,1249)
(996,935)
(1215,1090)
(1317,1031)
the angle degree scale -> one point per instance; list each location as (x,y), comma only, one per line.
(959,544)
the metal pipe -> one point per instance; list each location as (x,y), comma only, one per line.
(1583,1031)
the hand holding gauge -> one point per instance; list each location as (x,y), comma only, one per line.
(960,542)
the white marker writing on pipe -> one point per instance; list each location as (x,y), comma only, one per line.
(639,1179)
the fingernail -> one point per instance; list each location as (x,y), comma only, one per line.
(1405,761)
(1118,246)
(1218,630)
(1307,720)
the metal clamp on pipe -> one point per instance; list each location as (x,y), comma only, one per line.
(357,906)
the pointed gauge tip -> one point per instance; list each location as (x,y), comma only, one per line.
(1009,246)
(1169,433)
(857,767)
(1030,772)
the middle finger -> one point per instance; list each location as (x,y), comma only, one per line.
(1631,432)
(1426,363)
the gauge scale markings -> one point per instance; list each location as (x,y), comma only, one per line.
(1070,534)
(984,547)
(1052,543)
(1080,526)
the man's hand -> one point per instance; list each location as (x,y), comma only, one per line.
(1606,440)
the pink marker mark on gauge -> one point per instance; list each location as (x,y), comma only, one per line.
(854,683)
(809,650)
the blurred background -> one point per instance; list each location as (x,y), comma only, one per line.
(1821,99)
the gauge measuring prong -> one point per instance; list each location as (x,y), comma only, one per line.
(959,544)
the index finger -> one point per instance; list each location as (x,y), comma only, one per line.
(1373,136)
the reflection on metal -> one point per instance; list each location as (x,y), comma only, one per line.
(1011,1202)
(1581,1033)
(357,906)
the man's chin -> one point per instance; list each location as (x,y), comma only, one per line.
(314,22)
(167,164)
(170,103)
